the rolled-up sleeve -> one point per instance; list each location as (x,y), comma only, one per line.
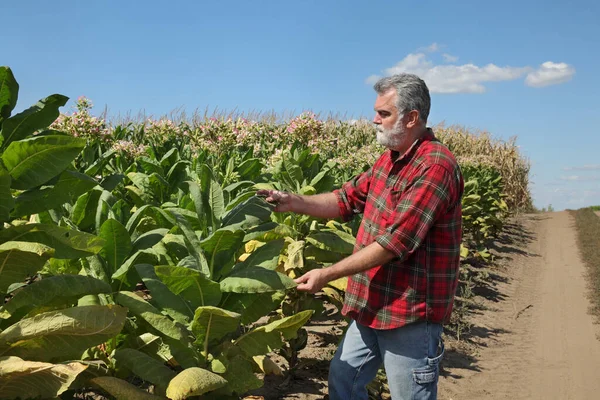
(427,197)
(351,197)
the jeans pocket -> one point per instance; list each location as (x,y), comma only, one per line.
(435,361)
(429,374)
(425,375)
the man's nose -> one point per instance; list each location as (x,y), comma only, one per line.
(377,119)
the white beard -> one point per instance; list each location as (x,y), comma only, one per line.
(391,138)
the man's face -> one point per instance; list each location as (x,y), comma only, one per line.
(391,132)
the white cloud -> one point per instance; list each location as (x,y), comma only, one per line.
(432,48)
(449,58)
(550,73)
(470,78)
(589,167)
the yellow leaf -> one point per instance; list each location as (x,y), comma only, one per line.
(340,284)
(267,365)
(464,251)
(252,245)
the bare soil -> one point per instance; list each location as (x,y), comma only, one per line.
(537,339)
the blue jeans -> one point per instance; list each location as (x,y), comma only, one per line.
(410,355)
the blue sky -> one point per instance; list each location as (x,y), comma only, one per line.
(512,68)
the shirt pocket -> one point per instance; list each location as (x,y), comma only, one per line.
(393,199)
(377,210)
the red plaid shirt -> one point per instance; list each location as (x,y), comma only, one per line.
(412,207)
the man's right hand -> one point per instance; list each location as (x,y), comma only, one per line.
(282,200)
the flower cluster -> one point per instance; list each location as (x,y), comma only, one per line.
(164,129)
(218,134)
(81,123)
(129,148)
(305,128)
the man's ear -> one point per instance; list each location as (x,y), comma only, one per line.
(413,119)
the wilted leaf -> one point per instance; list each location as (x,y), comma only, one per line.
(267,366)
(62,334)
(193,382)
(31,379)
(122,390)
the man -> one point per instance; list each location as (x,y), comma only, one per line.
(404,270)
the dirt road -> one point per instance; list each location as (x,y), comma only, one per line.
(536,340)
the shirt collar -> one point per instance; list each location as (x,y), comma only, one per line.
(395,156)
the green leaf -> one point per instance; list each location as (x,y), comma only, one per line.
(122,390)
(161,324)
(39,116)
(145,367)
(163,298)
(248,214)
(236,186)
(104,209)
(46,290)
(190,284)
(150,165)
(192,243)
(94,266)
(170,158)
(193,382)
(6,200)
(9,93)
(240,377)
(117,243)
(220,249)
(84,212)
(250,169)
(147,256)
(338,241)
(323,181)
(256,280)
(289,326)
(149,239)
(213,323)
(152,345)
(269,231)
(67,243)
(30,379)
(217,201)
(31,162)
(267,338)
(253,306)
(293,169)
(18,260)
(70,185)
(266,256)
(312,252)
(62,334)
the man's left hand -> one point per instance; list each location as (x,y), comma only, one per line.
(312,281)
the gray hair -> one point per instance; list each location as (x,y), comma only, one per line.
(411,93)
